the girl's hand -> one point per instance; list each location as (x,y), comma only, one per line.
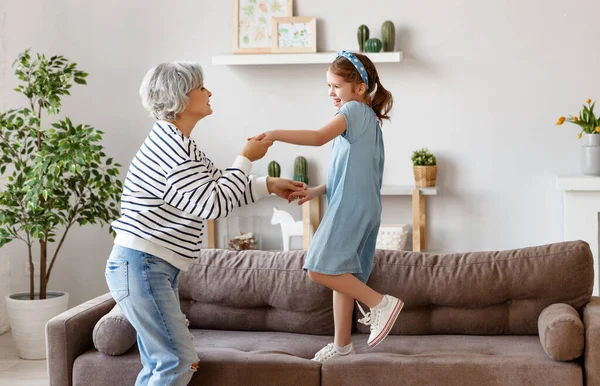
(304,195)
(266,135)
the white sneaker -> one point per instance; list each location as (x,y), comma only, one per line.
(330,351)
(381,319)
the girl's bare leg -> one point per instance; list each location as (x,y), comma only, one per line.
(348,285)
(343,308)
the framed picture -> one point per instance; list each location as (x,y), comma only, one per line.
(252,26)
(294,34)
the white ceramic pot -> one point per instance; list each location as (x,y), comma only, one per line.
(28,320)
(4,291)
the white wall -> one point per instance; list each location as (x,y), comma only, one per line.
(482,85)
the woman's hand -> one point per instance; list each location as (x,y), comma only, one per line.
(256,148)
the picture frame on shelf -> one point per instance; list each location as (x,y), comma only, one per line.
(296,34)
(252,27)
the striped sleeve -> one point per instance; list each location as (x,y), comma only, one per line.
(196,188)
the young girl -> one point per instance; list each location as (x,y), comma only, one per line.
(341,254)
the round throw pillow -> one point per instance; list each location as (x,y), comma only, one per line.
(561,332)
(113,334)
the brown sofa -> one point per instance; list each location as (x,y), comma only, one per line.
(469,319)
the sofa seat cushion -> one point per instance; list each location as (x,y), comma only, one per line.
(227,358)
(461,360)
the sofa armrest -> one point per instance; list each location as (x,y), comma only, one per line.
(69,335)
(591,321)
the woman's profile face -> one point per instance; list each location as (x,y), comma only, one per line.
(199,103)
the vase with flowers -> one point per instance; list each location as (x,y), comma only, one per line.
(590,133)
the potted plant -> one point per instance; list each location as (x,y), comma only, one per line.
(58,177)
(424,167)
(590,127)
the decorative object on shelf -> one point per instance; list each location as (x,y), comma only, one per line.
(274,169)
(590,132)
(373,45)
(289,227)
(243,242)
(392,237)
(424,167)
(363,36)
(241,233)
(300,170)
(294,34)
(388,36)
(252,26)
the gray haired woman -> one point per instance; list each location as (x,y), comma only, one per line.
(170,190)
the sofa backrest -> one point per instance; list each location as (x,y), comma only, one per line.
(483,293)
(254,291)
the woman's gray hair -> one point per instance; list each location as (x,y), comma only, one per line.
(164,88)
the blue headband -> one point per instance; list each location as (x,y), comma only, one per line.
(357,63)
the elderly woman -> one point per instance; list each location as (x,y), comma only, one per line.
(170,190)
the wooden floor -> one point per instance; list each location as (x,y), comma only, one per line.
(19,372)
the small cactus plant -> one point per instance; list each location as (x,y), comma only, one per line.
(373,45)
(300,170)
(274,169)
(363,36)
(388,36)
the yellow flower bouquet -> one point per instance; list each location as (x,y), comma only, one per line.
(586,119)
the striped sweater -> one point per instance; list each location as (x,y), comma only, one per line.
(170,190)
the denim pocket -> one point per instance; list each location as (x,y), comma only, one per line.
(117,279)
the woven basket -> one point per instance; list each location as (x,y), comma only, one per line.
(425,176)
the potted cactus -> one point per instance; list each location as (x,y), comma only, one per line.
(424,167)
(388,36)
(300,172)
(363,36)
(274,169)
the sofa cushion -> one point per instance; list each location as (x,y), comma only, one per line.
(561,332)
(483,293)
(227,358)
(113,334)
(451,360)
(254,291)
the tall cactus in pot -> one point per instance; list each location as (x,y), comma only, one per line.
(388,36)
(363,36)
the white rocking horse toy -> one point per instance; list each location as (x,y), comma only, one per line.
(289,227)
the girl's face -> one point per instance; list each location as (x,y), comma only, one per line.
(341,91)
(199,103)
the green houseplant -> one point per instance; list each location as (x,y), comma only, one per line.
(424,167)
(58,174)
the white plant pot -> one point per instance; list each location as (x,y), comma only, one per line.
(4,291)
(28,320)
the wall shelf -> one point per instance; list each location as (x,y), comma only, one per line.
(406,190)
(311,58)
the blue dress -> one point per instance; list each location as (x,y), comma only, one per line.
(345,240)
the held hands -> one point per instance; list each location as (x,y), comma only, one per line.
(256,147)
(304,195)
(266,135)
(284,188)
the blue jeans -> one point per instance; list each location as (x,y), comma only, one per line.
(145,287)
